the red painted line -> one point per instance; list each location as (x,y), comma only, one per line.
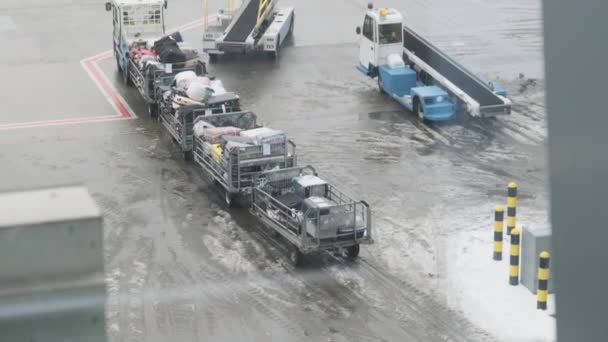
(65,122)
(9,125)
(91,66)
(99,56)
(105,85)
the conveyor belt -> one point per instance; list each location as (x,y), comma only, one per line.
(244,23)
(450,69)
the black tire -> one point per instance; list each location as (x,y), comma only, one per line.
(295,256)
(291,25)
(188,156)
(200,69)
(229,199)
(118,68)
(381,85)
(418,108)
(153,110)
(352,252)
(125,76)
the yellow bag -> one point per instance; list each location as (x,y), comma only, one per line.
(216,152)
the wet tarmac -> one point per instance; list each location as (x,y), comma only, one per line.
(179,265)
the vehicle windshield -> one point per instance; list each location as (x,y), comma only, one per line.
(389,33)
(142,19)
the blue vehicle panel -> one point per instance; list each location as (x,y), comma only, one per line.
(401,84)
(397,81)
(435,102)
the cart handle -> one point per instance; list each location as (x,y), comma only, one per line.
(291,142)
(364,203)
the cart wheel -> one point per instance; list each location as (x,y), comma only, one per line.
(352,252)
(229,200)
(295,256)
(188,156)
(199,69)
(153,110)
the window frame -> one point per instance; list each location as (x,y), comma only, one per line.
(368,28)
(399,31)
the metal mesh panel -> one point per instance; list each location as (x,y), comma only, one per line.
(243,120)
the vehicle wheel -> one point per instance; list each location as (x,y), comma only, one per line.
(153,110)
(295,256)
(125,76)
(418,109)
(352,252)
(381,85)
(118,65)
(293,19)
(188,156)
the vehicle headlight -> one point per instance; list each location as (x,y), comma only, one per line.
(439,98)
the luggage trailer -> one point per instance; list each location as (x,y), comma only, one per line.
(235,169)
(180,124)
(310,213)
(257,25)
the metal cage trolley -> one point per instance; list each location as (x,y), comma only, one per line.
(313,215)
(233,165)
(180,123)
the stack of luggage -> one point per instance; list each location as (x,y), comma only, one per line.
(168,50)
(190,89)
(232,139)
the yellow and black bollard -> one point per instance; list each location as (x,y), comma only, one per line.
(511,206)
(514,260)
(543,281)
(499,214)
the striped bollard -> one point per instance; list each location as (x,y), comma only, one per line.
(499,214)
(543,281)
(514,260)
(511,206)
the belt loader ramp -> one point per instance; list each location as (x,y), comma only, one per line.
(256,25)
